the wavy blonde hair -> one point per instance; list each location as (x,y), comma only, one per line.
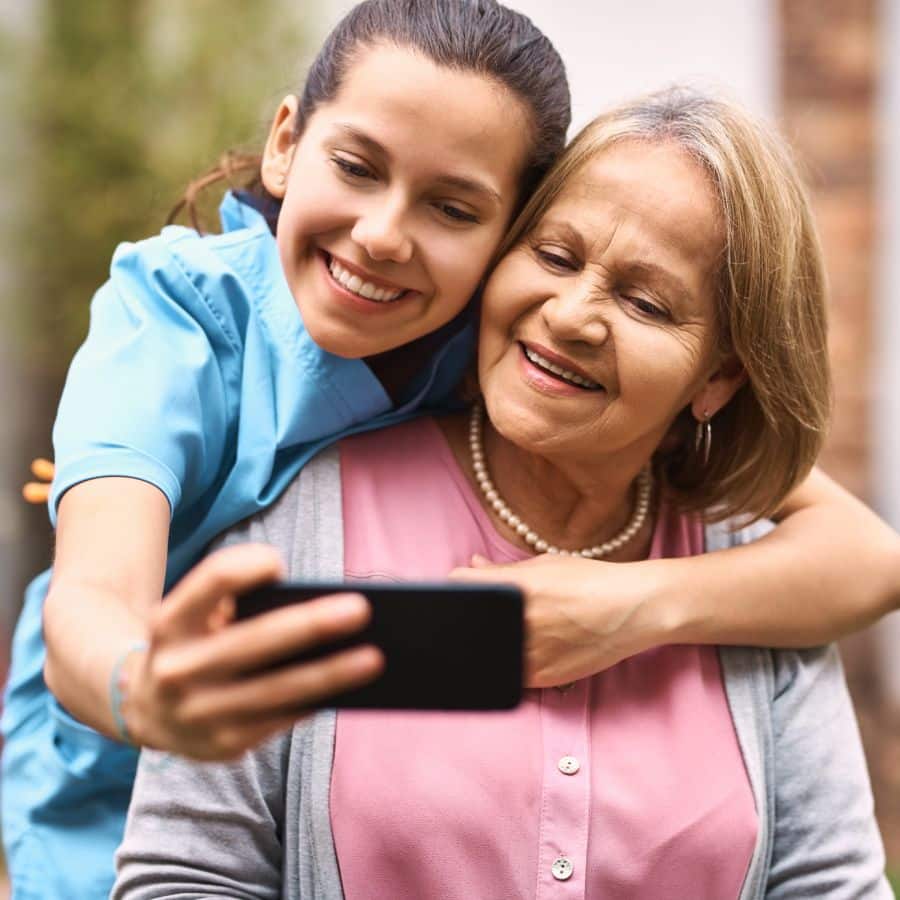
(771,299)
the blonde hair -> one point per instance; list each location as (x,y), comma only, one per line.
(771,299)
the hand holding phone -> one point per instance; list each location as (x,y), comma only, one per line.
(446,646)
(190,692)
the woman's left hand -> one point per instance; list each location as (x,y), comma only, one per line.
(581,615)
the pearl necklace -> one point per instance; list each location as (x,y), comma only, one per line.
(498,504)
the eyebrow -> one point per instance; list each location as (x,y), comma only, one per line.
(461,182)
(559,228)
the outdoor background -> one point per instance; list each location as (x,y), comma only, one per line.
(108,108)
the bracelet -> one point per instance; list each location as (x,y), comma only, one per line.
(117,690)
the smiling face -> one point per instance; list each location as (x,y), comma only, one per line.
(394,198)
(599,328)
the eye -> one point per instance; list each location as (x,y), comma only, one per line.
(647,308)
(455,213)
(353,169)
(556,258)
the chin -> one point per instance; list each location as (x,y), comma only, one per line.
(338,340)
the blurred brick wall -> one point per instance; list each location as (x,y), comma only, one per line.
(830,81)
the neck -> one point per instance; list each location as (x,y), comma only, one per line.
(396,368)
(567,505)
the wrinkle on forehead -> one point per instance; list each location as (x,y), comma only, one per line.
(632,198)
(647,206)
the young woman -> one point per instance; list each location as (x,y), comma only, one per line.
(215,366)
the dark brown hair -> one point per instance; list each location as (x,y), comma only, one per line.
(479,36)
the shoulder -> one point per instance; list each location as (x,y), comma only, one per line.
(225,281)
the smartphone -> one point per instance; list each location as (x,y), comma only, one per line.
(446,646)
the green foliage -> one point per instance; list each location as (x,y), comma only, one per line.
(122,104)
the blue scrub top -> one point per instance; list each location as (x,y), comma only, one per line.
(197,376)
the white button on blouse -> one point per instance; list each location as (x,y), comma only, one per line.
(568,765)
(562,868)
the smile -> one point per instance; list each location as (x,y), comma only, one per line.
(356,285)
(559,372)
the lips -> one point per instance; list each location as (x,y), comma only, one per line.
(559,367)
(359,284)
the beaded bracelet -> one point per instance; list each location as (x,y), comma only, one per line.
(117,690)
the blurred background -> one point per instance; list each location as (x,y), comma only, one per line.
(107,109)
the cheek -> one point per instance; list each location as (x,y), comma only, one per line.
(497,349)
(488,354)
(457,262)
(662,368)
(295,225)
(315,202)
(510,292)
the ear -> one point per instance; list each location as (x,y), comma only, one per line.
(279,149)
(718,388)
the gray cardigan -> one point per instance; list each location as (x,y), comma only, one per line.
(260,827)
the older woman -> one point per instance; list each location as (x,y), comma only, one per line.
(652,356)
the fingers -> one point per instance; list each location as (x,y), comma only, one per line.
(36,493)
(39,491)
(233,570)
(42,469)
(289,689)
(251,644)
(487,572)
(188,699)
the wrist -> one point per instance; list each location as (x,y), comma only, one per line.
(123,681)
(668,613)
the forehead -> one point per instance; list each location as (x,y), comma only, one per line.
(656,193)
(433,114)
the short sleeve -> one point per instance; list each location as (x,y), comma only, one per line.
(147,395)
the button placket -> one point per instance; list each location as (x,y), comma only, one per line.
(565,801)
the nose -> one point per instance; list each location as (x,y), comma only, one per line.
(382,232)
(578,314)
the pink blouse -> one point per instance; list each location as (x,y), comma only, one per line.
(629,784)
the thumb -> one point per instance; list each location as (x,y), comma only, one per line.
(482,570)
(187,608)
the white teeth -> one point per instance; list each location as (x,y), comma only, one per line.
(364,288)
(565,374)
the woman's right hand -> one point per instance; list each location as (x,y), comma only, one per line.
(189,692)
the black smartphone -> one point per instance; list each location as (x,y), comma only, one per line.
(446,646)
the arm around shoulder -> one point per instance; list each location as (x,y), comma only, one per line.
(830,567)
